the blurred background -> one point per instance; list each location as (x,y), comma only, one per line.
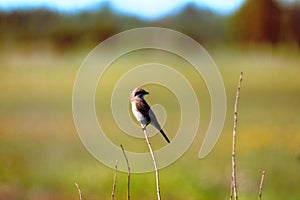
(42,44)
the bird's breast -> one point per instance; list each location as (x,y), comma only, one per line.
(138,115)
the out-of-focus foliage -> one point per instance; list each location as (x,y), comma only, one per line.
(65,31)
(202,25)
(295,22)
(258,21)
(60,30)
(261,21)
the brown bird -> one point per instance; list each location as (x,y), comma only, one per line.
(142,111)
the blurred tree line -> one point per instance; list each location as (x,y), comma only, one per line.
(257,21)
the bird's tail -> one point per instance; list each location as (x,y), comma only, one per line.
(165,136)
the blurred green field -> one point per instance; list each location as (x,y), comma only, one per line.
(41,155)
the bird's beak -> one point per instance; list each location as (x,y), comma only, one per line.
(146,92)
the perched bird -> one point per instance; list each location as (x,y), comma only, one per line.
(142,111)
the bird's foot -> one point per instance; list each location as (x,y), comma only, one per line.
(144,128)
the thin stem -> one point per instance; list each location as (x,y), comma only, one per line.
(233,175)
(128,176)
(154,163)
(261,185)
(231,188)
(115,181)
(79,191)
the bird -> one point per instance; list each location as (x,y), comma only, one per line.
(142,111)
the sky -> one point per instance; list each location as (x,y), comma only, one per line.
(146,9)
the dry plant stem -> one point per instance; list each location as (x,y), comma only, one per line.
(261,185)
(154,163)
(115,181)
(231,190)
(128,170)
(233,175)
(79,191)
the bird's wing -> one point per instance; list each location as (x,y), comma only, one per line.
(154,121)
(143,107)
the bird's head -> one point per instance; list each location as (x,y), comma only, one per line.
(139,92)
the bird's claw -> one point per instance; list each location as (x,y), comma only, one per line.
(144,128)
